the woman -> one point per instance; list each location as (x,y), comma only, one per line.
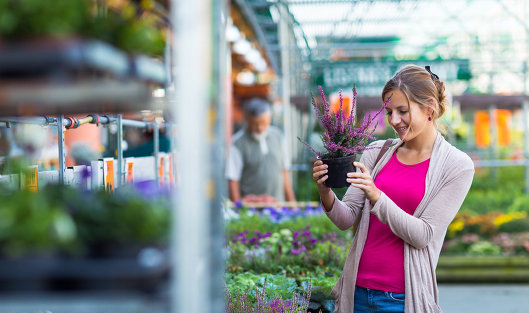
(405,203)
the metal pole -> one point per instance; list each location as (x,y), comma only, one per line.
(525,112)
(493,138)
(525,119)
(191,241)
(38,120)
(156,138)
(60,143)
(216,263)
(133,123)
(121,177)
(284,40)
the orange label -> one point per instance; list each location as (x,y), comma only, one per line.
(161,170)
(482,128)
(109,175)
(130,172)
(32,179)
(503,124)
(171,182)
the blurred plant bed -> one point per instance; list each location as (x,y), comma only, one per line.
(287,247)
(278,286)
(133,27)
(57,60)
(80,56)
(290,247)
(483,269)
(61,237)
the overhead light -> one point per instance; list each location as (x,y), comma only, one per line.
(242,46)
(252,56)
(158,93)
(246,78)
(260,65)
(232,33)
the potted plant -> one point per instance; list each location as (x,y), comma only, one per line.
(343,136)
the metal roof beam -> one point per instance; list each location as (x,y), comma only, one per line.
(247,8)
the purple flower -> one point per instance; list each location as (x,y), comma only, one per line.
(86,173)
(295,251)
(341,136)
(150,189)
(295,235)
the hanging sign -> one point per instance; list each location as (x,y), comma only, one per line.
(482,129)
(503,123)
(370,76)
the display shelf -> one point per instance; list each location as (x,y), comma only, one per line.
(55,274)
(148,69)
(104,95)
(72,76)
(84,302)
(59,58)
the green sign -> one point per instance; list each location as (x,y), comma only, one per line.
(370,77)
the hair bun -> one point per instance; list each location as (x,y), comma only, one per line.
(441,96)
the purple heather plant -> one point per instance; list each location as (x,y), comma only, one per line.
(341,136)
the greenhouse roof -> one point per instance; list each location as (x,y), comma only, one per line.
(490,37)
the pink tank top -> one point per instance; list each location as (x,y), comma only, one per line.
(382,262)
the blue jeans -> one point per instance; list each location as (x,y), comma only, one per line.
(377,301)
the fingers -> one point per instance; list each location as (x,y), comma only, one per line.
(361,166)
(321,179)
(319,171)
(358,175)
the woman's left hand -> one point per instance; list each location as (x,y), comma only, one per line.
(364,181)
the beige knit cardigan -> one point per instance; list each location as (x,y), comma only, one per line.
(447,182)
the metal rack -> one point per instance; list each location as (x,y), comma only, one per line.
(71,122)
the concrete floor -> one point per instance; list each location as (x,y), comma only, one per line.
(484,298)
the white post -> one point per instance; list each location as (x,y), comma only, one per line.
(191,104)
(284,41)
(525,112)
(121,177)
(60,144)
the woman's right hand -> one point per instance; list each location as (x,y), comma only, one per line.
(319,174)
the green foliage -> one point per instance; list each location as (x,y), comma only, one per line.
(514,226)
(496,190)
(60,219)
(484,248)
(319,225)
(519,204)
(29,223)
(278,286)
(122,28)
(31,18)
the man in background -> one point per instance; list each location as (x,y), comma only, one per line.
(257,164)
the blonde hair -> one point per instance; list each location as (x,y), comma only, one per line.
(419,86)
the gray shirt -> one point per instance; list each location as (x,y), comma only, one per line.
(258,163)
(447,183)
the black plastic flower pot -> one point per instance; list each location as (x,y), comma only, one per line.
(338,169)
